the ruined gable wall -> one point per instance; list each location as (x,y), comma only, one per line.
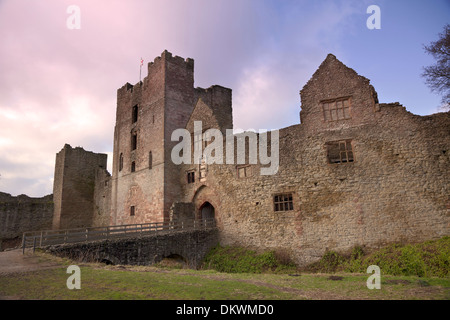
(395,190)
(218,99)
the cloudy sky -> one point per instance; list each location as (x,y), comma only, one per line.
(58,85)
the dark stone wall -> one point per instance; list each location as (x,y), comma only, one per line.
(20,214)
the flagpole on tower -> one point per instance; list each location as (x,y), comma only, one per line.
(140,70)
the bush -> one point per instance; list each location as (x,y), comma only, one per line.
(241,260)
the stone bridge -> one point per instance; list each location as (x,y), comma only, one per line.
(140,244)
(191,245)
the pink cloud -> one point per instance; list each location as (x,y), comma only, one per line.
(59,86)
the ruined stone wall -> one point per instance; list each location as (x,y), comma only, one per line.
(74,186)
(395,189)
(218,100)
(101,215)
(20,214)
(393,185)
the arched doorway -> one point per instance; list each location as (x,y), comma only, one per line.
(207,211)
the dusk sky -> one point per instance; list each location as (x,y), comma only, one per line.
(58,85)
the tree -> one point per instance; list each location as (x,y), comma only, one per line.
(437,76)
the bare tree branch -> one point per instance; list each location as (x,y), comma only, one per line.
(437,76)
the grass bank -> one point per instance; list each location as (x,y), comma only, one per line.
(426,259)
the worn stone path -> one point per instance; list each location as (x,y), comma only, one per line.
(13,261)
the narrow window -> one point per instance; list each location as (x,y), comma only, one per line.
(121,162)
(132,210)
(150,160)
(283,202)
(133,166)
(133,141)
(340,151)
(191,177)
(135,114)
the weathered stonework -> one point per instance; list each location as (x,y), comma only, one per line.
(190,245)
(20,214)
(354,171)
(76,173)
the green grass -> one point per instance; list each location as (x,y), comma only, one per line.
(100,282)
(419,271)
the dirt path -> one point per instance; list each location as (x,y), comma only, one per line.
(13,261)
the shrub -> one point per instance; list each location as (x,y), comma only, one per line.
(240,260)
(428,259)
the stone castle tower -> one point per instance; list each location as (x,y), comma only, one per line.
(76,171)
(145,182)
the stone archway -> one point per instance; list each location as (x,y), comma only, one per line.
(206,203)
(207,211)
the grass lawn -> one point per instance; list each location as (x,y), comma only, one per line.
(102,282)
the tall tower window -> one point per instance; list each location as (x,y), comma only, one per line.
(135,114)
(133,166)
(132,210)
(133,141)
(150,160)
(121,162)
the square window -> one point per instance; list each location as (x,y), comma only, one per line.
(337,109)
(283,202)
(340,151)
(191,177)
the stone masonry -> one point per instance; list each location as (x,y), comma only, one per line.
(76,173)
(20,214)
(192,246)
(354,171)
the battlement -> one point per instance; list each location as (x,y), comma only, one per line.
(155,71)
(211,89)
(167,56)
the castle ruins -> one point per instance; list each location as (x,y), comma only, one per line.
(353,171)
